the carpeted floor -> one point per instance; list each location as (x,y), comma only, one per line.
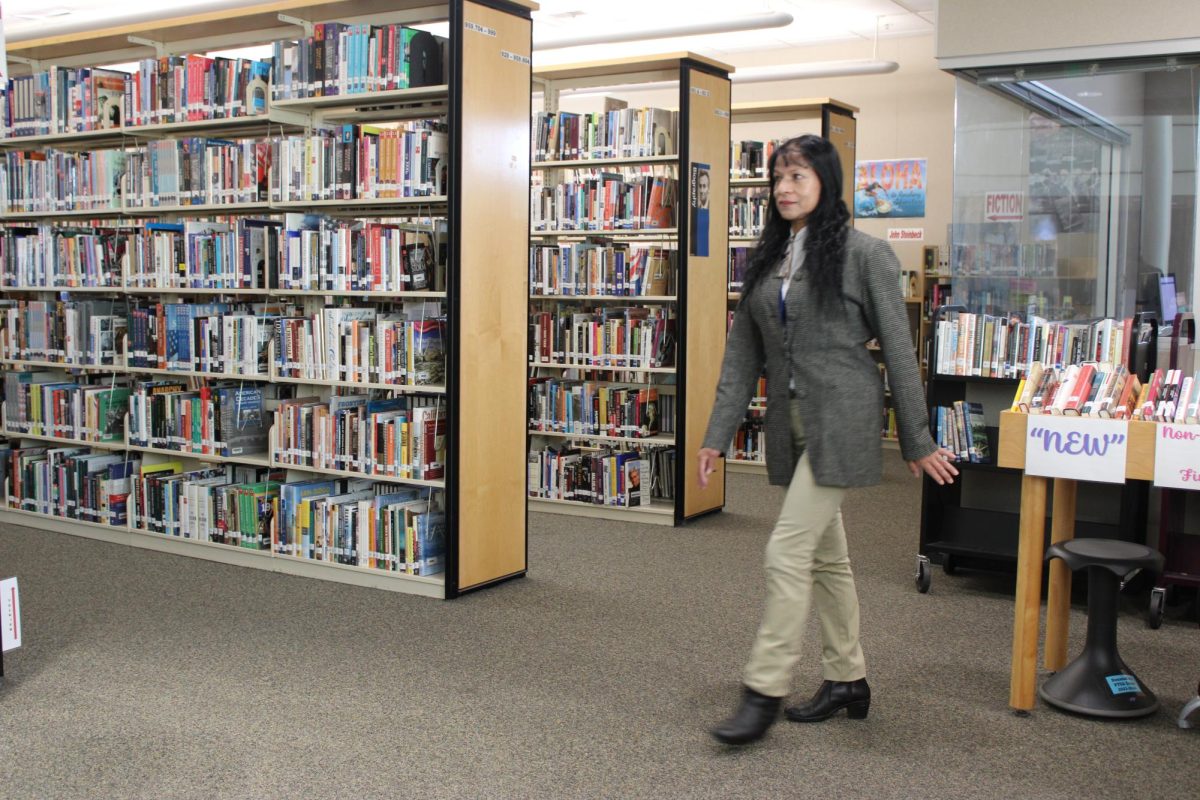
(152,676)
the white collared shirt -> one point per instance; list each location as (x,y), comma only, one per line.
(794,260)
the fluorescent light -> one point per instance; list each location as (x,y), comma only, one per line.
(813,69)
(751,22)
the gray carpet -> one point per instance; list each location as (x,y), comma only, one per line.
(153,676)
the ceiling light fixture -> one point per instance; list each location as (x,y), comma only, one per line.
(813,69)
(752,22)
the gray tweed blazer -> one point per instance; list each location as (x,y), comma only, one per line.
(837,383)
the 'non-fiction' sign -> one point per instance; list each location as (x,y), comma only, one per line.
(10,615)
(1177,456)
(1082,448)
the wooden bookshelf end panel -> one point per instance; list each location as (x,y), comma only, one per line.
(493,289)
(704,277)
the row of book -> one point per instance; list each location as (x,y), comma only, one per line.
(961,427)
(602,268)
(617,133)
(177,172)
(747,212)
(64,331)
(69,482)
(640,336)
(222,418)
(396,437)
(985,345)
(364,345)
(589,200)
(355,162)
(361,162)
(338,59)
(45,405)
(54,181)
(343,59)
(306,252)
(340,343)
(183,88)
(318,252)
(748,159)
(41,255)
(194,171)
(189,88)
(62,100)
(594,409)
(1108,392)
(355,522)
(602,476)
(750,438)
(1037,259)
(216,338)
(739,261)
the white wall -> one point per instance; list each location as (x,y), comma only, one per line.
(989,33)
(906,114)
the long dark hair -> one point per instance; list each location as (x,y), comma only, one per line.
(825,243)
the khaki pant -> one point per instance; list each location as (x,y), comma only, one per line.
(806,558)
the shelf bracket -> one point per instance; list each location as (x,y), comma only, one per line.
(549,95)
(307,25)
(160,48)
(34,64)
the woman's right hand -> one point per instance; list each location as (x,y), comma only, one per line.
(708,464)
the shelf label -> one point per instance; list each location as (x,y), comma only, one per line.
(1177,456)
(701,92)
(517,57)
(10,615)
(722,113)
(1082,448)
(475,26)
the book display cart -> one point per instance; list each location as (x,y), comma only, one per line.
(383,190)
(749,186)
(973,522)
(623,367)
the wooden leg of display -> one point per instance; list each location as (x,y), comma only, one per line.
(1023,684)
(1058,594)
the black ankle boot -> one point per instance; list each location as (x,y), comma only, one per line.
(756,713)
(832,697)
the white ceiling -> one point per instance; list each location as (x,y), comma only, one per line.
(815,22)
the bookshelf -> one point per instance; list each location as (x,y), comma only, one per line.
(480,249)
(767,121)
(692,308)
(973,522)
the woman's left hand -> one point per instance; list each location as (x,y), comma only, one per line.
(936,465)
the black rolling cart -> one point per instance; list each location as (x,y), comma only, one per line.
(1180,549)
(973,523)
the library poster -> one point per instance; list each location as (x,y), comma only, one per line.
(701,183)
(891,189)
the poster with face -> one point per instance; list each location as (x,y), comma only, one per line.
(701,186)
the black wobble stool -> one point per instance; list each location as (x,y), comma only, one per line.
(1098,682)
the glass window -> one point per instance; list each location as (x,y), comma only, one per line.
(1075,190)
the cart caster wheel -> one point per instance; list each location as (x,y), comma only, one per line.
(1158,602)
(949,564)
(924,576)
